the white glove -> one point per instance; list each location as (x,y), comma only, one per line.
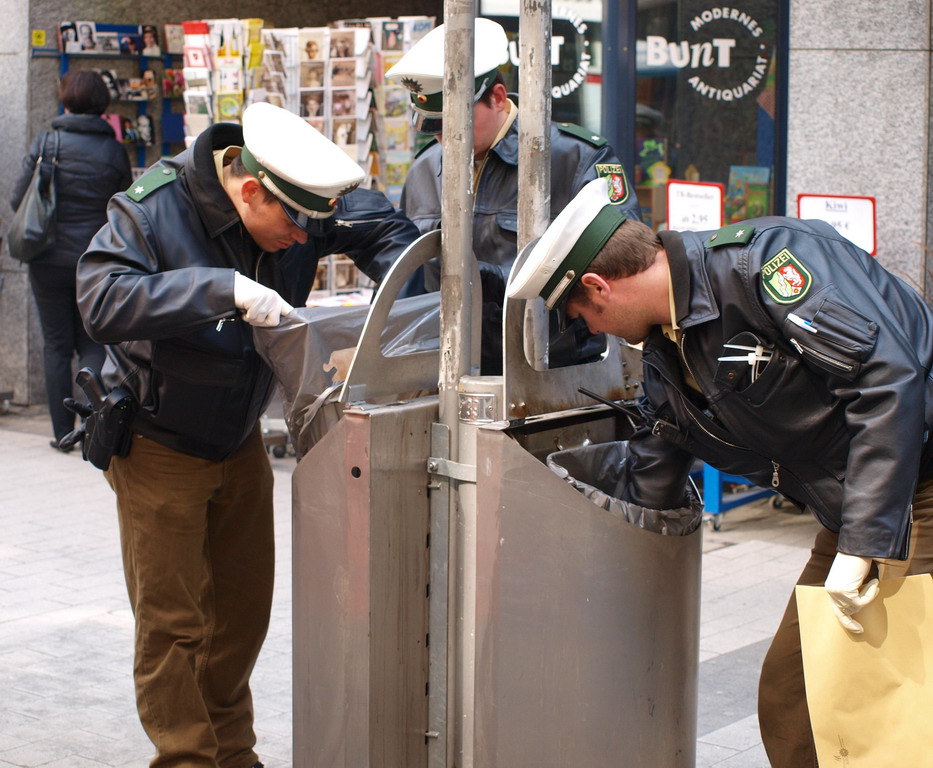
(845,590)
(261,305)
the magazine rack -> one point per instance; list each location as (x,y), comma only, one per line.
(168,61)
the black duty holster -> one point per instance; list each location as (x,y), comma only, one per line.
(107,427)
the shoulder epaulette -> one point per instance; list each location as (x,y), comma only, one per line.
(734,234)
(426,147)
(584,134)
(149,182)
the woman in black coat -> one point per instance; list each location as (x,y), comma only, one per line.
(92,166)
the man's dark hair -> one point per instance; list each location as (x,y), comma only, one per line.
(487,94)
(239,170)
(631,249)
(83,92)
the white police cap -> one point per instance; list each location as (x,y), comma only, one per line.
(306,171)
(421,70)
(565,250)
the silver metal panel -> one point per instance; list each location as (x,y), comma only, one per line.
(360,565)
(531,392)
(373,375)
(587,627)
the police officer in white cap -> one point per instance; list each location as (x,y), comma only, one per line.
(776,350)
(421,70)
(577,156)
(224,236)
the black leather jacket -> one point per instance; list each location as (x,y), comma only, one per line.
(157,283)
(575,156)
(92,166)
(838,420)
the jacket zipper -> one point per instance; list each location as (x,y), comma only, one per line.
(345,223)
(804,349)
(220,323)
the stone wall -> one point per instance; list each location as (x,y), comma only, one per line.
(859,118)
(20,337)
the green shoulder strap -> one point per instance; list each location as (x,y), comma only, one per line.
(734,234)
(149,182)
(584,134)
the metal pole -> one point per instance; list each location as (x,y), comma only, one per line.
(534,150)
(457,201)
(456,323)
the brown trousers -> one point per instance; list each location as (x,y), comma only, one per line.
(782,702)
(198,555)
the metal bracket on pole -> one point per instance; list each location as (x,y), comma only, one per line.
(465,473)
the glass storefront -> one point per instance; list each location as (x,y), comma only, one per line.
(705,103)
(576,56)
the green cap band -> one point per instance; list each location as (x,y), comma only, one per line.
(433,103)
(588,245)
(299,197)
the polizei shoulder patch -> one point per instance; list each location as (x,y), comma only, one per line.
(618,184)
(150,182)
(785,278)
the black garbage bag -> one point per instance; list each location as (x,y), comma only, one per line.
(600,472)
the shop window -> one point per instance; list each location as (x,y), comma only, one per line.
(707,103)
(708,93)
(576,61)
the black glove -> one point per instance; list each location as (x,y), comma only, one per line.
(76,435)
(82,409)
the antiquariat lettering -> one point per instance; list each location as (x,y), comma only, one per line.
(716,54)
(737,92)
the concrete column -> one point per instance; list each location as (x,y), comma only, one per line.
(859,118)
(20,336)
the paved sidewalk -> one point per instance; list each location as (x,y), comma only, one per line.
(66,629)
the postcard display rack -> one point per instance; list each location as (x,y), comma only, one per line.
(333,77)
(142,75)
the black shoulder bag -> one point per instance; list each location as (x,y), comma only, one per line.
(32,230)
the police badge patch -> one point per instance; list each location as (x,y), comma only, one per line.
(618,184)
(785,279)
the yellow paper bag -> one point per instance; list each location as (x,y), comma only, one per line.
(871,695)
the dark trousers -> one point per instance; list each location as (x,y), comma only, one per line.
(199,559)
(64,336)
(782,700)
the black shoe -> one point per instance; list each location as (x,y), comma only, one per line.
(66,449)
